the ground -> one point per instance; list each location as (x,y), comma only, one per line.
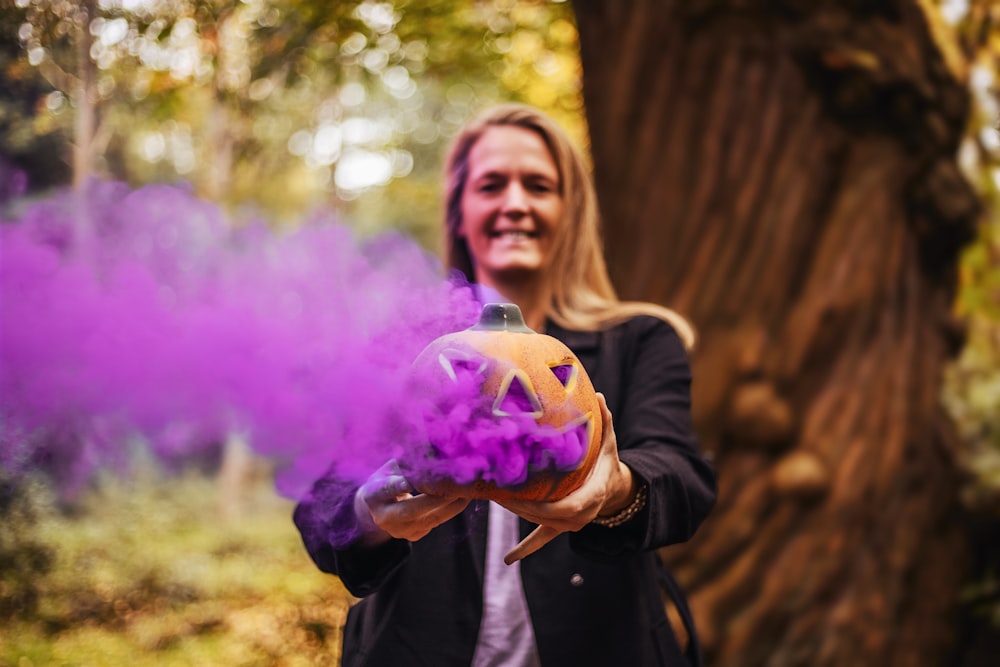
(148,571)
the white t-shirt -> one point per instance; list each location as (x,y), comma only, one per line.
(506,638)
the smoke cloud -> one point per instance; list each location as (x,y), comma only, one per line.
(148,320)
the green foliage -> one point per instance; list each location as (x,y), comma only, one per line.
(272,106)
(23,559)
(146,572)
(29,135)
(972,383)
(291,105)
(972,395)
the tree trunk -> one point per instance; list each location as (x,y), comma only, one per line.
(84,97)
(217,174)
(783,174)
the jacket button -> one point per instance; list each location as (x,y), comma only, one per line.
(576,580)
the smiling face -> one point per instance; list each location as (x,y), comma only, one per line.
(511,205)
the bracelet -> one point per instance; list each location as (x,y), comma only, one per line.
(634,508)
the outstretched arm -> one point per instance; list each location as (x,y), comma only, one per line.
(363,534)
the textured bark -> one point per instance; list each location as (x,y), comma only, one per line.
(84,97)
(219,121)
(784,175)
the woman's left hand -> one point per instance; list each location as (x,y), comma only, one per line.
(608,489)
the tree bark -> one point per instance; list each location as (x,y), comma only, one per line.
(784,175)
(218,166)
(84,97)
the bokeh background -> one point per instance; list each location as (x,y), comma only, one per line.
(813,184)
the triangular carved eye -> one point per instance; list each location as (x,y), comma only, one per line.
(517,396)
(566,374)
(455,362)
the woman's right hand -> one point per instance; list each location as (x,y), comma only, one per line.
(386,508)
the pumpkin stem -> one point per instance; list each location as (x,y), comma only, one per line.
(501,317)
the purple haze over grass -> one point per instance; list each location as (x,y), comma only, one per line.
(146,312)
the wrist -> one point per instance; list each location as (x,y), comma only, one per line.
(627,514)
(637,496)
(625,494)
(369,534)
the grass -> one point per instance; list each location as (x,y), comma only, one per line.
(149,571)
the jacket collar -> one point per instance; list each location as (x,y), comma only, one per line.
(578,341)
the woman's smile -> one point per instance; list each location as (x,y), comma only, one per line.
(513,234)
(512,205)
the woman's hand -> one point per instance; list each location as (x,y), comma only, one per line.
(386,507)
(608,489)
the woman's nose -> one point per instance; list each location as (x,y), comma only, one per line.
(516,200)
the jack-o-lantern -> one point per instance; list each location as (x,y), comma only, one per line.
(512,413)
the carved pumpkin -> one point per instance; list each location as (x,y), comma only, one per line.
(514,413)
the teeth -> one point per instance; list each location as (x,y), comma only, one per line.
(514,233)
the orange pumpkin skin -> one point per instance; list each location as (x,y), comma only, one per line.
(563,397)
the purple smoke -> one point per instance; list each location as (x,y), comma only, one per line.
(147,318)
(466,442)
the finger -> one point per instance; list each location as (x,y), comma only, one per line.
(414,526)
(568,513)
(533,510)
(553,517)
(426,508)
(608,429)
(452,509)
(537,539)
(387,488)
(386,483)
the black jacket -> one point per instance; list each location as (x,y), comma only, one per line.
(592,595)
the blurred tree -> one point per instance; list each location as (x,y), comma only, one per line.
(26,141)
(90,56)
(972,389)
(282,106)
(785,174)
(292,104)
(974,381)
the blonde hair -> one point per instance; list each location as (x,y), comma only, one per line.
(583,297)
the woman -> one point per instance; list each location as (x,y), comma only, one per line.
(444,586)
